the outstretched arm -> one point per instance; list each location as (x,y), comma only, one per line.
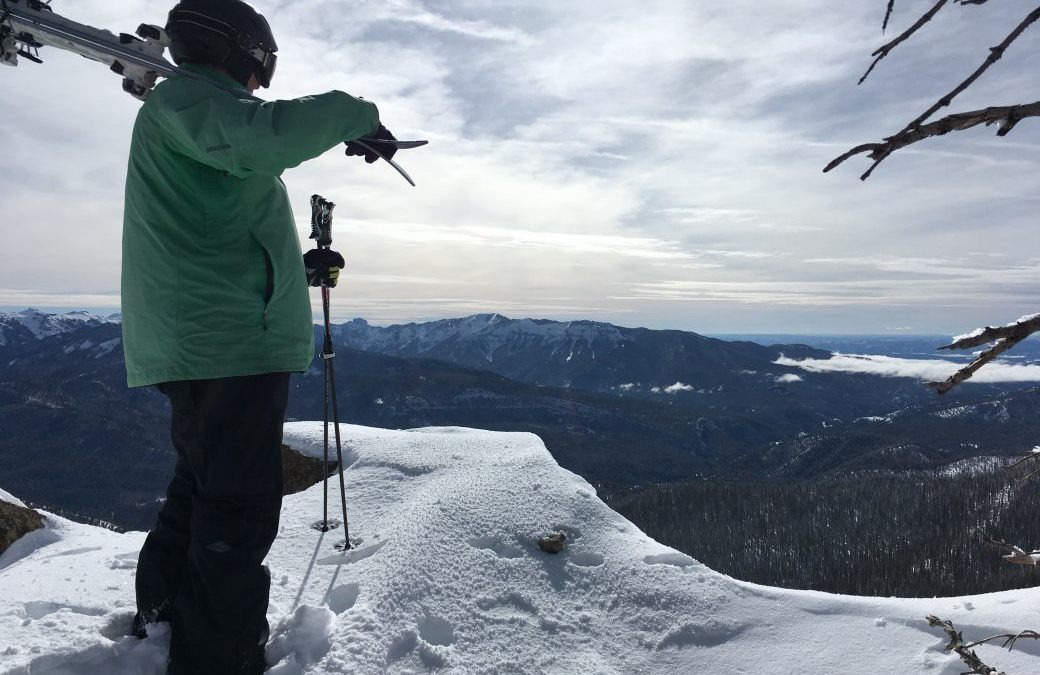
(245,137)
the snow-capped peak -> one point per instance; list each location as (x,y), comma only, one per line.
(44,325)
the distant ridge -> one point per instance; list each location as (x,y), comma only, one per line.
(32,324)
(582,354)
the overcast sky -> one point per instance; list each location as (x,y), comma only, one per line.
(653,163)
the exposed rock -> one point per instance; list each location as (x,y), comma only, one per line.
(16,522)
(552,543)
(301,471)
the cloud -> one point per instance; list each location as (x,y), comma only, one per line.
(653,164)
(677,387)
(788,378)
(933,370)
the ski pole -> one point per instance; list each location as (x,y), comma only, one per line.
(321,231)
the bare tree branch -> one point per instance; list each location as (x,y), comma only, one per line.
(1006,116)
(967,371)
(1006,337)
(880,151)
(888,15)
(1015,554)
(1009,639)
(1033,457)
(963,650)
(883,51)
(1017,331)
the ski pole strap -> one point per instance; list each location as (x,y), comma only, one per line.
(321,221)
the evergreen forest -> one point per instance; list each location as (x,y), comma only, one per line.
(867,535)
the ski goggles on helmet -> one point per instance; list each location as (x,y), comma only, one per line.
(253,41)
(267,62)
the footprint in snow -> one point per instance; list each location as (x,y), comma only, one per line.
(301,640)
(586,559)
(118,626)
(342,598)
(37,609)
(511,607)
(497,546)
(403,645)
(711,633)
(435,630)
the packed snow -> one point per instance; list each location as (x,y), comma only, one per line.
(446,575)
(10,499)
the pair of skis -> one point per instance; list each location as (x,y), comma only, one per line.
(28,25)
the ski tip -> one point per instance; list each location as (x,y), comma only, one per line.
(408,145)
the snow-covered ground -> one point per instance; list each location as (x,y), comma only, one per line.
(447,577)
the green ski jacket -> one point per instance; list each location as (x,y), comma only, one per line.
(213,283)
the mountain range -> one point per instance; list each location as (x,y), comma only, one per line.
(620,406)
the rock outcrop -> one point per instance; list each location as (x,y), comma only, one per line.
(16,522)
(301,471)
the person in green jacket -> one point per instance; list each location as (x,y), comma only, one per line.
(216,315)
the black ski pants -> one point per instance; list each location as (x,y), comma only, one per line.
(201,567)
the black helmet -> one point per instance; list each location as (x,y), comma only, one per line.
(226,33)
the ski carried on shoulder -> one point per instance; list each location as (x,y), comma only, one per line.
(28,25)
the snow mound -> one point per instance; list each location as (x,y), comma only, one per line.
(11,499)
(446,575)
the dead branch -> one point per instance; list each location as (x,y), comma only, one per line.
(882,51)
(1033,457)
(963,650)
(1006,337)
(1017,331)
(888,15)
(910,134)
(1015,554)
(1009,639)
(1006,116)
(967,371)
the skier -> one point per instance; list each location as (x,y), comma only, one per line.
(216,315)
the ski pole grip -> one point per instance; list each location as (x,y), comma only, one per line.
(321,221)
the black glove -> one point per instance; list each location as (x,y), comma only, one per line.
(323,266)
(378,139)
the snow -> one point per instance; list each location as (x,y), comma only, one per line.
(10,499)
(967,336)
(979,331)
(106,348)
(789,378)
(975,466)
(447,576)
(43,325)
(991,410)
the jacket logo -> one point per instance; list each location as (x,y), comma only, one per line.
(218,148)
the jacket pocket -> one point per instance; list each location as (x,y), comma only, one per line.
(268,280)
